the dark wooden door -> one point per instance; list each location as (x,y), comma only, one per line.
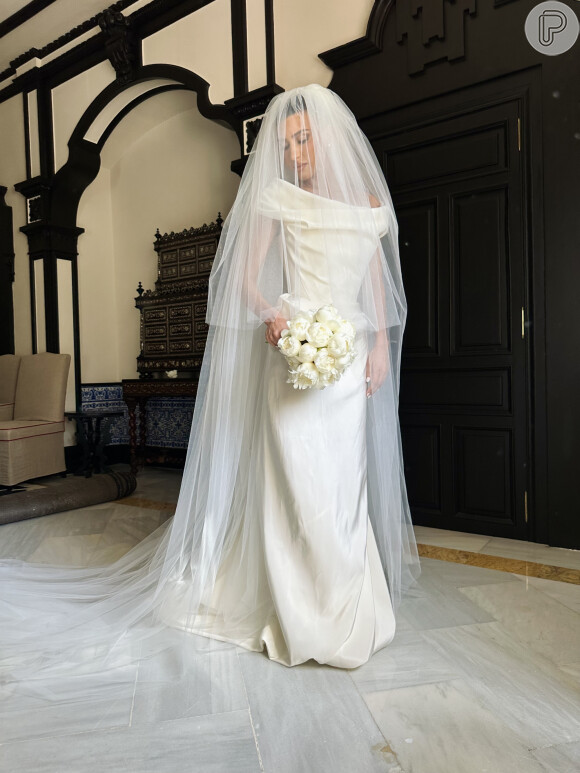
(457,187)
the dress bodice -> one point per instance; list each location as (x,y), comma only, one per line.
(328,245)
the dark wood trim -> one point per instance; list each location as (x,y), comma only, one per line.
(239,47)
(183,79)
(6,276)
(76,331)
(26,134)
(161,13)
(270,44)
(33,306)
(131,106)
(371,43)
(23,15)
(51,304)
(45,131)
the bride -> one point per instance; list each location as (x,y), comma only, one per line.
(292,530)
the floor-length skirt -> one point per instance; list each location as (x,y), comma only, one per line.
(304,579)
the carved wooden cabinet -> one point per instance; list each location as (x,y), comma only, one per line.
(173,327)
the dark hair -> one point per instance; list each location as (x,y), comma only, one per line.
(296,105)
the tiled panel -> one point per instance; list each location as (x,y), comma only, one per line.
(168,418)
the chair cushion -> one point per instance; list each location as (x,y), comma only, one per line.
(41,387)
(18,429)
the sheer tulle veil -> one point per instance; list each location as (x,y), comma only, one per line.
(63,620)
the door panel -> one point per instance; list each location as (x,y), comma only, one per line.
(457,188)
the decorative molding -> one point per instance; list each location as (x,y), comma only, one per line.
(34,209)
(175,238)
(432,30)
(121,45)
(145,21)
(23,15)
(245,110)
(251,129)
(75,32)
(371,43)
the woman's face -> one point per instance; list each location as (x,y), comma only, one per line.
(299,148)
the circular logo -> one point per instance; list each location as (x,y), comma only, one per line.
(552,28)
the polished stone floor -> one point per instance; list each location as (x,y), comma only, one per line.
(483,674)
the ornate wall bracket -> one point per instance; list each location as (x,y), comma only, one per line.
(121,44)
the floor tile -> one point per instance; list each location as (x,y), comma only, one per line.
(525,691)
(450,539)
(218,743)
(565,593)
(531,617)
(407,661)
(210,684)
(564,758)
(310,719)
(532,551)
(442,728)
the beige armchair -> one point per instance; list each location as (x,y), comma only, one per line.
(32,395)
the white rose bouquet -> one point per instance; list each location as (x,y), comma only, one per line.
(318,346)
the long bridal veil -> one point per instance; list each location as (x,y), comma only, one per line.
(57,621)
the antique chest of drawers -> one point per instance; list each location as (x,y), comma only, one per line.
(173,329)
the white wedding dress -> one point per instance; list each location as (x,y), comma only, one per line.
(318,589)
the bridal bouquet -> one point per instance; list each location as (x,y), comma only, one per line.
(318,346)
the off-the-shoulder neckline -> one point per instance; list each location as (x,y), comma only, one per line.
(325,198)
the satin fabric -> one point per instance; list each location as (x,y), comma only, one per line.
(318,590)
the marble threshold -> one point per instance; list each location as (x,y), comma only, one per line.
(455,555)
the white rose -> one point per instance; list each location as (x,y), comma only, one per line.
(318,334)
(299,325)
(326,379)
(304,376)
(344,361)
(324,361)
(346,329)
(289,346)
(326,313)
(307,352)
(338,345)
(293,362)
(333,324)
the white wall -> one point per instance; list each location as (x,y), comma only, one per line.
(306,28)
(70,100)
(166,167)
(201,42)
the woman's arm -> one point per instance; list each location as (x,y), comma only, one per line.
(378,359)
(254,299)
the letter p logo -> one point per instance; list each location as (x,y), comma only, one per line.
(552,27)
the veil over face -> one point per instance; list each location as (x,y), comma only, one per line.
(309,145)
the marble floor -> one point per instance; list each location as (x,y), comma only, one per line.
(483,673)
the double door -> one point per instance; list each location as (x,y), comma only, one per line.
(458,190)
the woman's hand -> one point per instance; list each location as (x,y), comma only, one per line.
(377,364)
(274,328)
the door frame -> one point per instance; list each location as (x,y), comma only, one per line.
(523,87)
